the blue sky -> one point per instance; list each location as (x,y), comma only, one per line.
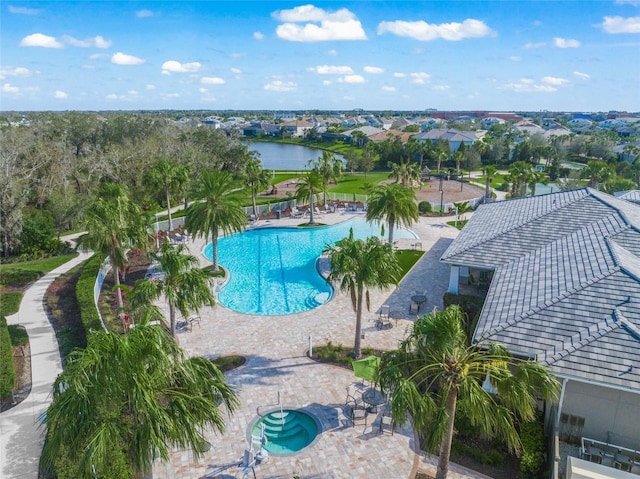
(397,55)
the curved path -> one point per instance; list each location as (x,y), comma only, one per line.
(21,434)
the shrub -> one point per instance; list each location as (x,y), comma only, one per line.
(7,369)
(424,207)
(84,293)
(18,277)
(532,460)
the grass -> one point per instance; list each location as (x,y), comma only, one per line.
(18,334)
(407,258)
(352,183)
(40,265)
(339,355)
(227,363)
(10,302)
(458,224)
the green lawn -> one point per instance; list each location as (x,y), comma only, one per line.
(407,258)
(10,302)
(40,265)
(355,182)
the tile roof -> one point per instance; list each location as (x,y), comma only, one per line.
(566,282)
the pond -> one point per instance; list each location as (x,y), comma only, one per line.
(282,156)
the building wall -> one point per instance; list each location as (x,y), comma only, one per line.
(605,410)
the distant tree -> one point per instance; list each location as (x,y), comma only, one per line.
(597,172)
(172,178)
(313,183)
(257,179)
(394,203)
(489,172)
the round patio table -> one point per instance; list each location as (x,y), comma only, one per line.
(419,299)
(373,398)
(396,315)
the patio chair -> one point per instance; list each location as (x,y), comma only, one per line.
(386,421)
(414,308)
(358,413)
(383,316)
(353,397)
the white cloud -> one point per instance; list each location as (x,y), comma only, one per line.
(332,53)
(399,75)
(530,45)
(133,92)
(339,25)
(556,81)
(389,88)
(584,76)
(527,85)
(621,25)
(279,85)
(352,79)
(23,10)
(212,81)
(258,36)
(331,70)
(14,72)
(373,70)
(326,82)
(173,66)
(96,56)
(150,87)
(420,77)
(565,42)
(96,42)
(40,40)
(236,71)
(124,59)
(60,95)
(515,58)
(144,13)
(112,96)
(441,87)
(172,95)
(348,98)
(9,88)
(424,31)
(202,90)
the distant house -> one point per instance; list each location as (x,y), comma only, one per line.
(391,135)
(297,128)
(454,137)
(563,278)
(631,195)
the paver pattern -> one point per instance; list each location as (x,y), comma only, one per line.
(277,366)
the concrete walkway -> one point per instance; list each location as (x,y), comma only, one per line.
(21,434)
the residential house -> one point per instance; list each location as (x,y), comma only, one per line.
(563,278)
(454,137)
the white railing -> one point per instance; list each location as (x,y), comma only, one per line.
(97,287)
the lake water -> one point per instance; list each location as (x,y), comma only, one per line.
(280,156)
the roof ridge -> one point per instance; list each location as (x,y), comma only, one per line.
(520,225)
(598,195)
(577,341)
(620,262)
(556,299)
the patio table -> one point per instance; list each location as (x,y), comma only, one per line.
(373,398)
(419,299)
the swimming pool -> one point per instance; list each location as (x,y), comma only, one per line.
(273,271)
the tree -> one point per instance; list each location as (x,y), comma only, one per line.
(135,395)
(172,178)
(405,172)
(534,177)
(219,211)
(356,266)
(184,285)
(489,172)
(312,184)
(329,167)
(394,203)
(114,224)
(518,175)
(597,172)
(436,375)
(257,178)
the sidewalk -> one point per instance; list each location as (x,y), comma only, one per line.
(21,437)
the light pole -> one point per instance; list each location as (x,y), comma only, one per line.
(441,203)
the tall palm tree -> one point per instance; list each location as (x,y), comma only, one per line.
(312,184)
(114,225)
(219,211)
(184,285)
(404,172)
(518,174)
(436,374)
(597,171)
(257,178)
(172,178)
(356,266)
(133,395)
(394,203)
(535,177)
(329,167)
(489,172)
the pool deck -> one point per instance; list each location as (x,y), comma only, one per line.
(276,348)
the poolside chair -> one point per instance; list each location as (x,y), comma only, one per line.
(358,413)
(383,316)
(386,421)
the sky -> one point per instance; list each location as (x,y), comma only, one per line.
(375,55)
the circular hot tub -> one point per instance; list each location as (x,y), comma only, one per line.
(286,432)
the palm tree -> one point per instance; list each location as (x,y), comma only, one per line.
(356,266)
(312,184)
(441,155)
(172,178)
(329,167)
(597,171)
(394,203)
(114,224)
(489,172)
(436,374)
(220,210)
(518,175)
(404,172)
(257,178)
(535,177)
(184,285)
(132,397)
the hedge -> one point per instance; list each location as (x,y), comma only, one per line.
(533,446)
(7,369)
(84,293)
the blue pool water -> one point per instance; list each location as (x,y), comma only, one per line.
(286,432)
(273,270)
